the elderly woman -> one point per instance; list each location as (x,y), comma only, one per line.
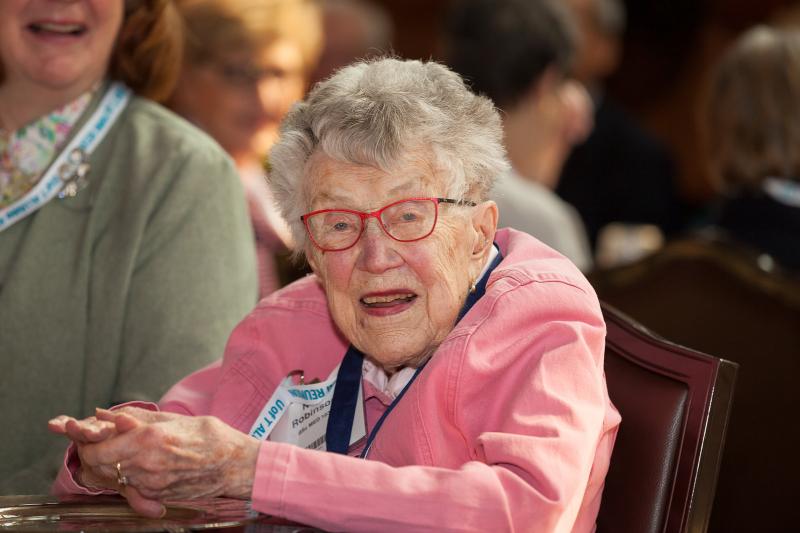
(464,365)
(125,255)
(245,63)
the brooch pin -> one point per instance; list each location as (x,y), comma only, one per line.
(73,174)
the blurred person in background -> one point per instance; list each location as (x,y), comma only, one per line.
(620,173)
(518,52)
(353,29)
(245,63)
(753,119)
(125,249)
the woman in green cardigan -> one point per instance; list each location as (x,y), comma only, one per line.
(126,251)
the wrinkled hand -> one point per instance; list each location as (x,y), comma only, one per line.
(82,432)
(162,455)
(99,428)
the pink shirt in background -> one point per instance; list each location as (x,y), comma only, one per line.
(508,428)
(271,233)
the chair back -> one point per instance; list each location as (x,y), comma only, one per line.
(719,298)
(674,404)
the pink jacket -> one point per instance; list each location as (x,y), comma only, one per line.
(508,428)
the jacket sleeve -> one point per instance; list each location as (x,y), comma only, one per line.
(194,279)
(533,411)
(223,381)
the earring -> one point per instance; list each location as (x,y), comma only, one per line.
(473,287)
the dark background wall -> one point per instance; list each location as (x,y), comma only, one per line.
(670,47)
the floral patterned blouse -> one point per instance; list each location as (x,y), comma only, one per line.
(26,153)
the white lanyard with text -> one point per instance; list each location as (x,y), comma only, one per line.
(62,175)
(298,414)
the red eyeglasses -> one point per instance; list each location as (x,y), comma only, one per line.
(413,219)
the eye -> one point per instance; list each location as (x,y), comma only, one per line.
(337,222)
(409,213)
(340,226)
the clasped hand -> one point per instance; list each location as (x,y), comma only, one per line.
(162,455)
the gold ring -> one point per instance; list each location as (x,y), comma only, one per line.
(122,480)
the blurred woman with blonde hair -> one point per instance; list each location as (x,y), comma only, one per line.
(753,118)
(246,62)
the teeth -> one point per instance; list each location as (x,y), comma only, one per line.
(386,299)
(58,28)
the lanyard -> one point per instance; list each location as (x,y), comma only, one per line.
(345,395)
(298,414)
(284,396)
(61,177)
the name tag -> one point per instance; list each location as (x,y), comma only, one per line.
(298,414)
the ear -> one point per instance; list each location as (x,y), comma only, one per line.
(484,226)
(550,80)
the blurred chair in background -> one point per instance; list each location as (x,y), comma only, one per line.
(716,296)
(674,404)
(353,29)
(754,142)
(246,62)
(620,173)
(517,52)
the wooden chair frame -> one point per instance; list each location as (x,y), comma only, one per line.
(688,493)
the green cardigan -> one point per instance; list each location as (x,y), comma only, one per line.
(115,294)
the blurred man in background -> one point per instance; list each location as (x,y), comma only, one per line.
(620,174)
(518,53)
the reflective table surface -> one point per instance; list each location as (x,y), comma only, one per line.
(112,513)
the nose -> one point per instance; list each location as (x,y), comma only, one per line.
(378,252)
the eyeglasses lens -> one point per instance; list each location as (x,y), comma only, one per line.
(334,230)
(404,221)
(410,220)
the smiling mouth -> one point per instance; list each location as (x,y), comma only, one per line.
(387,300)
(54,28)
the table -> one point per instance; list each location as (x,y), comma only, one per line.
(111,513)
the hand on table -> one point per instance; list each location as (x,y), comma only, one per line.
(161,456)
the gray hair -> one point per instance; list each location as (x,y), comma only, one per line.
(376,113)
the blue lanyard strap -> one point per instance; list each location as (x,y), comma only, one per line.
(343,403)
(345,396)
